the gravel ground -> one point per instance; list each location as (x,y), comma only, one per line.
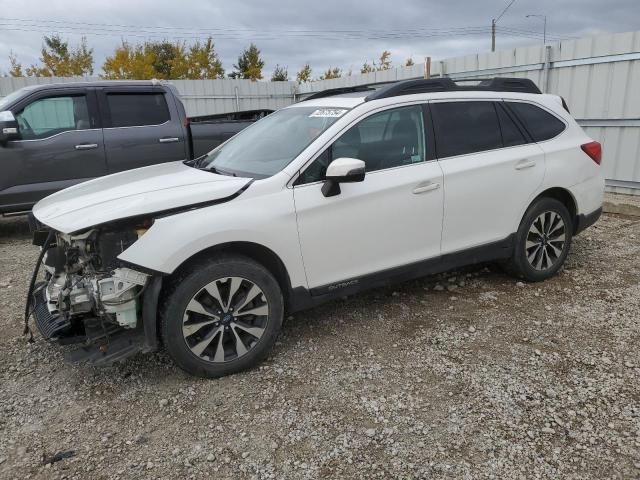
(468,376)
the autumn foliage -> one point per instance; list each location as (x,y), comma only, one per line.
(166,60)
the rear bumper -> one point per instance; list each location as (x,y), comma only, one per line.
(585,221)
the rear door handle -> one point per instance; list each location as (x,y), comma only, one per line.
(428,187)
(169,140)
(526,163)
(87,146)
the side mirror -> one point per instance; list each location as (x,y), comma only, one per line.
(342,170)
(8,128)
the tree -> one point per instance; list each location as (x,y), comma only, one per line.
(331,73)
(164,60)
(16,68)
(203,62)
(58,60)
(169,59)
(280,74)
(366,68)
(384,63)
(409,62)
(130,62)
(304,75)
(385,60)
(249,65)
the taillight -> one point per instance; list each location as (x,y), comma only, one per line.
(594,150)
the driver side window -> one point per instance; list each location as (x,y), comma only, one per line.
(387,139)
(49,116)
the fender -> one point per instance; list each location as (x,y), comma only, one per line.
(267,219)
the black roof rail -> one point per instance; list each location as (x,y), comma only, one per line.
(338,91)
(446,84)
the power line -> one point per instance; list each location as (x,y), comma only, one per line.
(553,36)
(504,11)
(274,36)
(107,29)
(141,32)
(493,26)
(117,27)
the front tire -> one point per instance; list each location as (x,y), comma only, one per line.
(221,317)
(543,240)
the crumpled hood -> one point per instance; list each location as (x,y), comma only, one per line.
(132,193)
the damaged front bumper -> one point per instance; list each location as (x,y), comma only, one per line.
(108,312)
(99,343)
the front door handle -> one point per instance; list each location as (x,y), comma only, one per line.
(169,140)
(428,187)
(526,163)
(87,146)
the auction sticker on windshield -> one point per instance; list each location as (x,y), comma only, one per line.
(329,112)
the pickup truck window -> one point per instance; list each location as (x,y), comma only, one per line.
(53,115)
(137,109)
(272,143)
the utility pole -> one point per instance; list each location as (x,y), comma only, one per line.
(493,35)
(493,26)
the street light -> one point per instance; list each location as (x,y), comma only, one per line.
(544,31)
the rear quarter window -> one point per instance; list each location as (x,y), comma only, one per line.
(540,124)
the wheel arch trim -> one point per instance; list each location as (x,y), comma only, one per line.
(561,194)
(260,253)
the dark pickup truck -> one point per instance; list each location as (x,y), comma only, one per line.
(54,136)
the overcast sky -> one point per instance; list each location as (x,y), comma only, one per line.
(325,33)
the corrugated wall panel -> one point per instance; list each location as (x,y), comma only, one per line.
(600,84)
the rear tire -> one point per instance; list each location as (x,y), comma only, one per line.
(543,240)
(221,317)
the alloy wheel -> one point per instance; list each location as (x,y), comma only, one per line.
(545,241)
(225,319)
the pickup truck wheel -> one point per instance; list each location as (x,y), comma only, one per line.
(543,240)
(222,317)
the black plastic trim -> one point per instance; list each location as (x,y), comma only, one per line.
(338,91)
(429,132)
(302,298)
(150,300)
(586,220)
(34,276)
(446,84)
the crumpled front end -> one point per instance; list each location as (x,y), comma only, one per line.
(88,296)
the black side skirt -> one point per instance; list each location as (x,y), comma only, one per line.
(301,298)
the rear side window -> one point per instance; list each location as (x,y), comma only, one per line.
(137,109)
(511,134)
(540,124)
(465,127)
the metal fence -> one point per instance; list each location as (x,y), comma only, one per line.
(200,97)
(597,76)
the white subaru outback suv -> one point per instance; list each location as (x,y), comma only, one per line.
(350,189)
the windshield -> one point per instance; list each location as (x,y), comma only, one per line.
(9,99)
(272,143)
